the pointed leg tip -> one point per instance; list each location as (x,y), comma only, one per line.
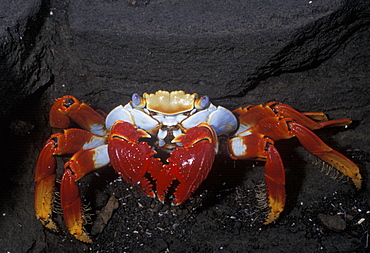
(84,238)
(357,182)
(49,224)
(275,209)
(271,217)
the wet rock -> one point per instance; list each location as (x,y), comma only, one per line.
(231,44)
(23,65)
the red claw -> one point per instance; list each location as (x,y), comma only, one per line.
(130,158)
(190,164)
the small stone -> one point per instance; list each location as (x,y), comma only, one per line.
(332,222)
(104,215)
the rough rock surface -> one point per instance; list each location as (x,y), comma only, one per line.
(312,55)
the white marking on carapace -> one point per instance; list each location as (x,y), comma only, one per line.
(118,113)
(222,121)
(143,120)
(170,120)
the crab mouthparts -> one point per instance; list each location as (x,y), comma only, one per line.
(165,136)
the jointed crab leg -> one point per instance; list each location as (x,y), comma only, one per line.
(45,185)
(261,125)
(252,115)
(68,107)
(275,183)
(82,163)
(70,142)
(308,119)
(256,146)
(317,147)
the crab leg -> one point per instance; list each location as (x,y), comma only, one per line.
(316,146)
(82,163)
(306,118)
(248,146)
(283,128)
(71,141)
(68,107)
(275,183)
(258,147)
(45,185)
(251,116)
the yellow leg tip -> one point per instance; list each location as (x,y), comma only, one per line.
(49,224)
(84,238)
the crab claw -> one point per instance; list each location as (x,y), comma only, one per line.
(130,158)
(189,165)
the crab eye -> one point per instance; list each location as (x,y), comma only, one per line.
(204,101)
(137,100)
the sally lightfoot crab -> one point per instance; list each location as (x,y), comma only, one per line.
(169,139)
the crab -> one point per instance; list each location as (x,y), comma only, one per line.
(169,140)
